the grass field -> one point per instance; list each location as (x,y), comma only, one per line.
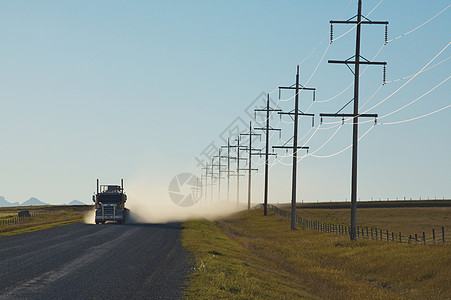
(251,256)
(408,220)
(45,217)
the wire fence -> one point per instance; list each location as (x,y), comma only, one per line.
(14,220)
(438,236)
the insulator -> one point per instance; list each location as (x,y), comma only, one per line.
(342,120)
(321,121)
(331,33)
(314,95)
(386,33)
(313,122)
(384,74)
(279,94)
(375,121)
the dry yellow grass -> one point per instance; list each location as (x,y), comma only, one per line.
(408,220)
(46,216)
(330,266)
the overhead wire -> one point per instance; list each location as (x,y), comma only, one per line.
(427,69)
(343,150)
(419,26)
(324,54)
(397,90)
(413,76)
(410,103)
(324,144)
(336,39)
(416,118)
(400,36)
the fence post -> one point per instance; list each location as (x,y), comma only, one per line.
(387,236)
(443,234)
(363,234)
(424,239)
(372,233)
(433,236)
(416,239)
(381,234)
(410,238)
(400,238)
(392,237)
(376,233)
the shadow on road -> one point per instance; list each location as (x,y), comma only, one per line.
(171,226)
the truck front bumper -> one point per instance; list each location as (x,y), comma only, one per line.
(109,218)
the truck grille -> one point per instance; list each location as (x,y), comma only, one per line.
(108,210)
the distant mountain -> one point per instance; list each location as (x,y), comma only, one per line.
(4,203)
(33,201)
(76,202)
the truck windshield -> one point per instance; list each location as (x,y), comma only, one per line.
(109,197)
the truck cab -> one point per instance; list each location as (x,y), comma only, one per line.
(110,203)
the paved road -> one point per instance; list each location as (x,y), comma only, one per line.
(84,261)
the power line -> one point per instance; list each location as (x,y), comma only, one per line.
(419,26)
(360,19)
(297,87)
(250,149)
(267,109)
(419,117)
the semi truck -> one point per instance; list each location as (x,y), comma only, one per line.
(110,203)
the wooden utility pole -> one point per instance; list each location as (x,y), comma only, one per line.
(251,134)
(267,109)
(355,116)
(296,113)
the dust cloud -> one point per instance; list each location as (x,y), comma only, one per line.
(89,217)
(151,204)
(156,207)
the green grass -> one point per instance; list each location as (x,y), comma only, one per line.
(225,269)
(47,216)
(250,256)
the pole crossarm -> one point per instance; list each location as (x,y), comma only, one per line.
(290,147)
(361,22)
(270,109)
(298,114)
(352,62)
(349,115)
(298,88)
(248,170)
(356,60)
(270,128)
(241,175)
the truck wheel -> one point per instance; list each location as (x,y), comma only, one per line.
(127,216)
(97,222)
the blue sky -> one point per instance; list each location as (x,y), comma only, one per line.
(138,89)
